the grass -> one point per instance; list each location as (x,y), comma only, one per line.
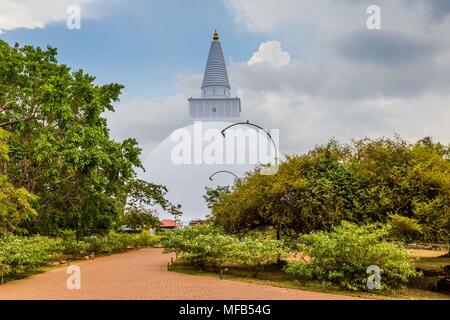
(419,289)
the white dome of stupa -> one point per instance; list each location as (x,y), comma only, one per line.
(186,159)
(185,167)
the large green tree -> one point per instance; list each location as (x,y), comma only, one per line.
(60,147)
(364,182)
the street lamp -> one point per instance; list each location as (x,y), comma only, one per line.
(223,171)
(248,123)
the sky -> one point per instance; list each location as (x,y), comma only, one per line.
(310,68)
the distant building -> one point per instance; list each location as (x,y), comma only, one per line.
(168,224)
(194,223)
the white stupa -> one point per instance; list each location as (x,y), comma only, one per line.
(185,161)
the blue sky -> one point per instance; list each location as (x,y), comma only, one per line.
(144,45)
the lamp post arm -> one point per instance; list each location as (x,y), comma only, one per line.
(248,123)
(223,171)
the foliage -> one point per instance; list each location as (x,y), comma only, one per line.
(117,242)
(145,239)
(207,246)
(139,218)
(144,194)
(213,195)
(75,248)
(15,203)
(403,228)
(141,198)
(15,207)
(20,255)
(59,143)
(202,245)
(364,182)
(255,253)
(343,256)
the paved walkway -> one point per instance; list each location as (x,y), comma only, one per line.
(142,274)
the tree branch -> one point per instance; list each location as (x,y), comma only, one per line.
(13,122)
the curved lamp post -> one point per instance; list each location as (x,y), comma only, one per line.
(223,171)
(248,123)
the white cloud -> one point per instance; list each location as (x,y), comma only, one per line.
(272,53)
(33,14)
(313,24)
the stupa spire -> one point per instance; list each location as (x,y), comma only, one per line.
(215,80)
(216,36)
(215,103)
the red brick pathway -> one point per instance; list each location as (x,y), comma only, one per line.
(142,275)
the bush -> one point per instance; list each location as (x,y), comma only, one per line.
(207,246)
(76,249)
(255,253)
(202,246)
(116,242)
(20,255)
(145,239)
(113,242)
(344,255)
(403,228)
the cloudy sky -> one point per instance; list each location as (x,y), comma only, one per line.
(310,68)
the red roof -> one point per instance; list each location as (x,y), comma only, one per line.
(167,223)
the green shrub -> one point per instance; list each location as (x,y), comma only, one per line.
(203,246)
(403,228)
(76,249)
(255,253)
(207,246)
(343,256)
(178,241)
(116,242)
(119,241)
(145,240)
(106,244)
(20,255)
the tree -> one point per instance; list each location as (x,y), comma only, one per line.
(364,182)
(60,147)
(141,198)
(15,203)
(309,192)
(410,180)
(213,195)
(403,228)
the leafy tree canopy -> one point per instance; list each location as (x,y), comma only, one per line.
(59,144)
(15,204)
(363,182)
